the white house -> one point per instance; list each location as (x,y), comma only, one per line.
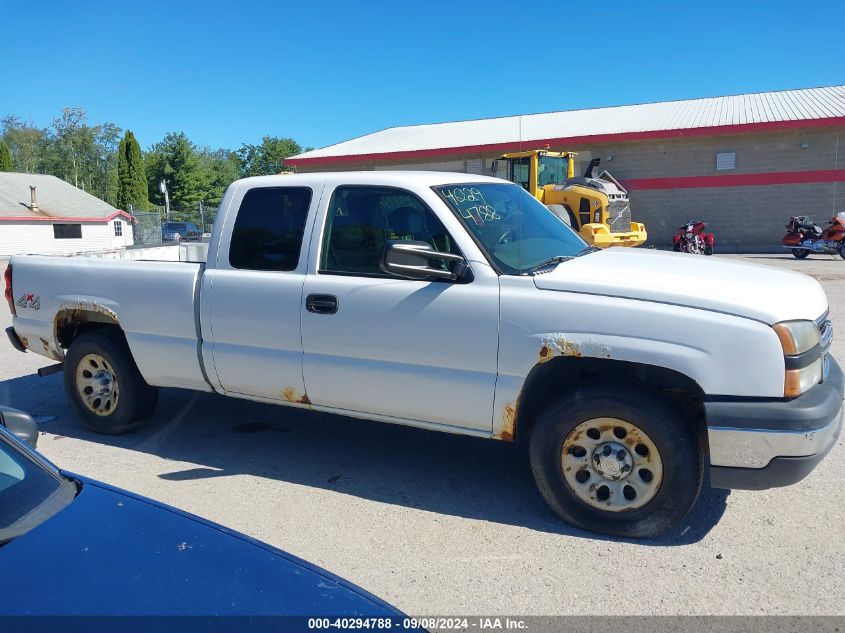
(46,215)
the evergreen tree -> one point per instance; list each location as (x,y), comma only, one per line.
(175,159)
(122,174)
(131,175)
(5,157)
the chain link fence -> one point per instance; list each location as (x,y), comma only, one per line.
(155,226)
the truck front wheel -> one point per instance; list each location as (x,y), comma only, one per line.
(616,462)
(104,385)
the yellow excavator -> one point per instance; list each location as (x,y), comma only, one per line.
(597,207)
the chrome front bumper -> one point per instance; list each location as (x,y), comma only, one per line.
(763,444)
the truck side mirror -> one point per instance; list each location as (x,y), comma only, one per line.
(20,424)
(412,260)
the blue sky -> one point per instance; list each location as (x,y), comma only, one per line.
(323,72)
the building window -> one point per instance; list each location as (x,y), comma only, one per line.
(118,228)
(725,161)
(67,231)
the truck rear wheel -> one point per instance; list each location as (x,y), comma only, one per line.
(616,462)
(104,385)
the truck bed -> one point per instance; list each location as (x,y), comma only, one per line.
(154,302)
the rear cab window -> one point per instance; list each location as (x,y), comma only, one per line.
(269,228)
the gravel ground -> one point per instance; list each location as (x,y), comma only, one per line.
(439,524)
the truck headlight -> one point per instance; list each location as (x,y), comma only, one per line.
(800,380)
(802,355)
(797,337)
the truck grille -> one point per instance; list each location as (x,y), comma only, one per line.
(826,333)
(825,330)
(619,216)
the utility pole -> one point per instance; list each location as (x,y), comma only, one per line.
(162,187)
(202,215)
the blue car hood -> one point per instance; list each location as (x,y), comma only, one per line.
(114,553)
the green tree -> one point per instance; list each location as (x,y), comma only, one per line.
(25,141)
(131,175)
(74,144)
(267,158)
(222,167)
(106,181)
(5,157)
(84,155)
(175,160)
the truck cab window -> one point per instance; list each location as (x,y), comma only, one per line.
(268,230)
(551,170)
(520,171)
(361,219)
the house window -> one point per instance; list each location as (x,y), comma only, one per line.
(118,228)
(67,231)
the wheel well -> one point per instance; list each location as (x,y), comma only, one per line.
(547,381)
(70,323)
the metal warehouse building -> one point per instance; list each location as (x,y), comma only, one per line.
(46,215)
(743,163)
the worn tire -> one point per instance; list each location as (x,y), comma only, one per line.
(708,250)
(137,400)
(674,438)
(800,253)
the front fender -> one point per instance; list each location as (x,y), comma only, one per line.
(724,354)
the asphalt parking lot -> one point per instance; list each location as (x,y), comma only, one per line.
(446,525)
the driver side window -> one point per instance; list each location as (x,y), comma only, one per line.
(361,219)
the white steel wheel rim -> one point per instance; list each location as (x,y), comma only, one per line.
(97,385)
(611,465)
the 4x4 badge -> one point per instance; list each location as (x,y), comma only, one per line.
(29,301)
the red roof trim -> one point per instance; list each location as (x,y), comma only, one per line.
(718,130)
(32,218)
(737,180)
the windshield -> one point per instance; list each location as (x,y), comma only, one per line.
(551,170)
(29,493)
(514,229)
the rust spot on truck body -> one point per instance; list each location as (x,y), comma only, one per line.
(24,341)
(507,431)
(569,348)
(561,345)
(68,313)
(72,315)
(292,395)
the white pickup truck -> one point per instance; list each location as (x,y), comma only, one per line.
(461,304)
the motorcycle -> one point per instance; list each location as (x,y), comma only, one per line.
(692,239)
(805,236)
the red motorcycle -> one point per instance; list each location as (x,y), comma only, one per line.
(805,236)
(692,239)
